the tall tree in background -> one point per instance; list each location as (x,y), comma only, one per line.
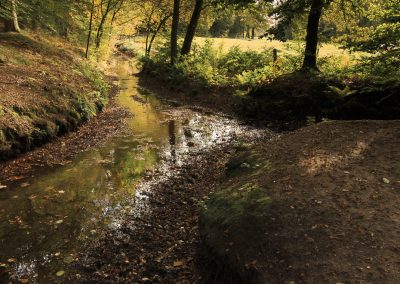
(286,11)
(310,53)
(154,16)
(191,30)
(90,29)
(174,32)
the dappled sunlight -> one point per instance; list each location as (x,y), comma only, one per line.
(324,160)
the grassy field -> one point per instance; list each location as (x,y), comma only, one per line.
(291,47)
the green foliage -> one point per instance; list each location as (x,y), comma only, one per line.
(96,77)
(208,65)
(379,67)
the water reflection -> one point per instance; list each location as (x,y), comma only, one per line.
(172,139)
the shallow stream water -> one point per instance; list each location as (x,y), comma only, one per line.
(46,219)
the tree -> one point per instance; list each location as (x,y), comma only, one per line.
(90,29)
(310,53)
(10,16)
(174,32)
(15,16)
(191,30)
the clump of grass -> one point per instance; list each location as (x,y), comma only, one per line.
(11,55)
(96,77)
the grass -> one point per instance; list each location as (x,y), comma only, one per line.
(259,45)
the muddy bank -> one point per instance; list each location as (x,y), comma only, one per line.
(219,100)
(319,205)
(47,90)
(290,101)
(109,123)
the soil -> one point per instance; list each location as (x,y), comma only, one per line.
(332,215)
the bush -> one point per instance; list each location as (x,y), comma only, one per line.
(209,66)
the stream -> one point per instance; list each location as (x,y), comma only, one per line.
(46,219)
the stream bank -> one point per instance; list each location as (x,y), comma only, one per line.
(318,205)
(47,90)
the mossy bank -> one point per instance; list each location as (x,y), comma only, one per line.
(47,90)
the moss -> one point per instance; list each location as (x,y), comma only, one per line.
(247,163)
(237,206)
(4,145)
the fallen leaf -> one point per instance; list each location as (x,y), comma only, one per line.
(60,273)
(178,263)
(25,184)
(16,177)
(68,259)
(10,260)
(3,186)
(24,280)
(59,222)
(385,180)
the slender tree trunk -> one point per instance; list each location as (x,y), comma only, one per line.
(11,24)
(90,30)
(248,32)
(160,25)
(15,16)
(174,32)
(191,30)
(101,25)
(114,16)
(310,54)
(253,33)
(147,43)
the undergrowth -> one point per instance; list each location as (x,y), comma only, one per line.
(208,65)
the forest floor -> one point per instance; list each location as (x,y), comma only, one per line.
(318,205)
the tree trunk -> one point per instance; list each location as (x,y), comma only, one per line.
(174,32)
(191,30)
(11,24)
(90,30)
(153,37)
(248,32)
(15,16)
(310,54)
(253,33)
(101,25)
